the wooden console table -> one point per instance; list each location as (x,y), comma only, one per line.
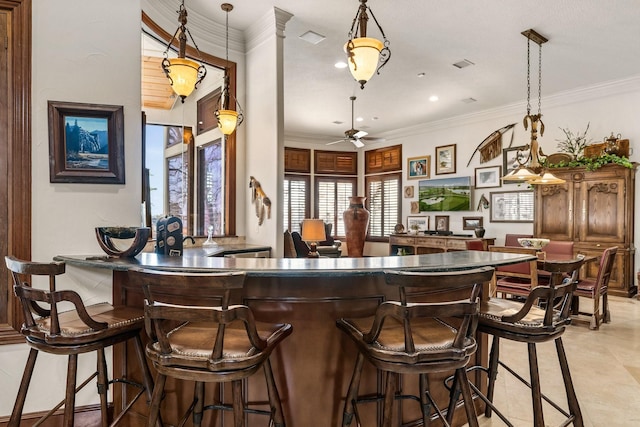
(427,244)
(313,366)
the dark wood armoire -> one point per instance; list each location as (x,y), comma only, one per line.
(595,210)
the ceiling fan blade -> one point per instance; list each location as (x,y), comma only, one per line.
(360,134)
(336,142)
(357,142)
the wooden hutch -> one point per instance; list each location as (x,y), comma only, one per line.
(595,210)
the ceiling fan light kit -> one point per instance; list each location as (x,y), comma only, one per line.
(365,55)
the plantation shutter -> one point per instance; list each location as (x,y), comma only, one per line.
(296,202)
(383,202)
(332,200)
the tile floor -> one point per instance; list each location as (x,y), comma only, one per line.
(605,367)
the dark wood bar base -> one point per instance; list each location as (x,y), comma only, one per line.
(314,365)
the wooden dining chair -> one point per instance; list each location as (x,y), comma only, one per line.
(52,327)
(595,289)
(474,245)
(557,250)
(515,279)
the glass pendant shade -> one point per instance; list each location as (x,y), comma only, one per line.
(546,178)
(227,121)
(522,174)
(184,75)
(363,57)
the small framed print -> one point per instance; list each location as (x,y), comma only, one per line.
(442,222)
(418,167)
(417,223)
(512,206)
(415,207)
(512,158)
(445,159)
(488,177)
(471,222)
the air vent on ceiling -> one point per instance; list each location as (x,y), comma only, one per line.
(469,100)
(337,122)
(462,64)
(312,37)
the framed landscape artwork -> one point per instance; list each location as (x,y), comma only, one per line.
(445,159)
(471,222)
(488,177)
(86,143)
(445,194)
(417,223)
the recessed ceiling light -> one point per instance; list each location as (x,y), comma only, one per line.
(421,74)
(433,98)
(359,119)
(464,63)
(312,37)
(340,64)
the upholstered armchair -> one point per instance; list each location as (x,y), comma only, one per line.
(329,248)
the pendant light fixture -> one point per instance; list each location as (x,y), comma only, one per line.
(530,170)
(184,74)
(228,119)
(365,53)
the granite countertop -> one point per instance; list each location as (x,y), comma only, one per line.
(196,259)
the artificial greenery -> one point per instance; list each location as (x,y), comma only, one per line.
(593,163)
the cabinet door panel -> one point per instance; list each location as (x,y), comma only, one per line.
(554,211)
(603,211)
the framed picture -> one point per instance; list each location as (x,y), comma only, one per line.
(471,222)
(511,206)
(86,143)
(512,157)
(488,177)
(418,167)
(445,194)
(408,191)
(415,207)
(417,223)
(446,159)
(442,222)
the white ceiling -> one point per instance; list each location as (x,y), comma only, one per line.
(590,42)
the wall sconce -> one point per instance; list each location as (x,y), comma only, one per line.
(312,233)
(184,74)
(364,53)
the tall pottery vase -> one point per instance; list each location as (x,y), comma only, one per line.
(356,221)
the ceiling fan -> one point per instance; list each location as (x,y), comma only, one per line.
(354,135)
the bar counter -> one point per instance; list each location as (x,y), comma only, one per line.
(313,366)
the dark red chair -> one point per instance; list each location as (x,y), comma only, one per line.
(474,245)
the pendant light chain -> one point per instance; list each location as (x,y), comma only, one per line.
(528,76)
(540,79)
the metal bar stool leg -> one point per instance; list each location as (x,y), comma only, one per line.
(16,414)
(572,400)
(536,393)
(274,398)
(70,400)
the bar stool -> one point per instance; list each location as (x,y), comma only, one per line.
(529,323)
(81,330)
(418,338)
(196,335)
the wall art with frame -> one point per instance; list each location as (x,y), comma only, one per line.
(472,222)
(442,222)
(445,194)
(445,159)
(417,223)
(512,206)
(512,158)
(488,177)
(418,167)
(86,143)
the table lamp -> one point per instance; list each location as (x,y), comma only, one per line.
(312,233)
